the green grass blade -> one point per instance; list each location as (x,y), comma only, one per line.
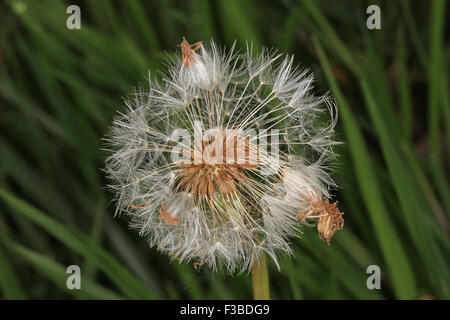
(293,282)
(414,212)
(56,273)
(414,32)
(435,78)
(203,9)
(9,284)
(236,23)
(406,104)
(335,41)
(401,273)
(83,245)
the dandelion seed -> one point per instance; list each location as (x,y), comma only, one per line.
(224,159)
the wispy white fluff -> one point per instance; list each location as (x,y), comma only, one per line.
(225,90)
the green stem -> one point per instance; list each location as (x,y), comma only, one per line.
(260,279)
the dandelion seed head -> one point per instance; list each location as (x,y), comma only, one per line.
(225,158)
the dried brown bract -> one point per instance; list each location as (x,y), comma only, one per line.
(328,215)
(187,51)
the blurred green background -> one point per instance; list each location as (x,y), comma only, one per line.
(60,88)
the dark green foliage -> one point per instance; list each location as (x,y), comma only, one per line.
(60,88)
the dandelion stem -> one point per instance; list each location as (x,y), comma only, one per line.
(260,279)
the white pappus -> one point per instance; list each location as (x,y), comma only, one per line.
(225,158)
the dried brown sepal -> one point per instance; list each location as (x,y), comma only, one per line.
(198,264)
(138,207)
(187,51)
(328,215)
(165,216)
(331,222)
